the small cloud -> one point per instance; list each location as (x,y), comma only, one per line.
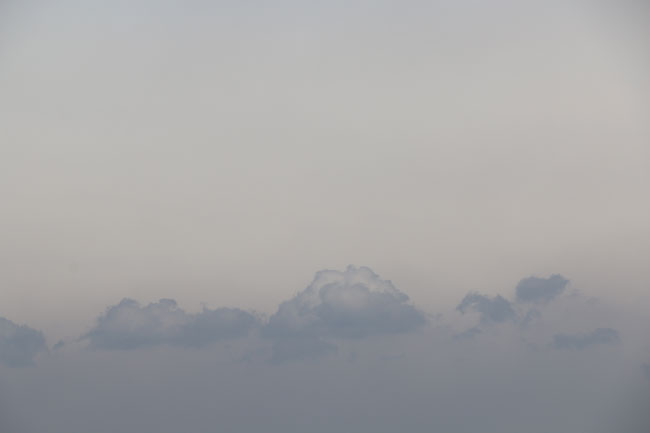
(582,341)
(128,325)
(19,344)
(540,290)
(492,310)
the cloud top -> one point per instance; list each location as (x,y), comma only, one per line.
(128,325)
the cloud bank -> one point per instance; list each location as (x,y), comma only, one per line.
(337,306)
(347,353)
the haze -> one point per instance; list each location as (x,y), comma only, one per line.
(324,216)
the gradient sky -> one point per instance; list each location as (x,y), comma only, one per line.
(219,154)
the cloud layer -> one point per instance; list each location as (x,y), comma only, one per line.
(339,352)
(128,325)
(351,305)
(19,344)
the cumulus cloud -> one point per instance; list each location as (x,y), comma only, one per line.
(19,344)
(128,325)
(540,290)
(355,303)
(492,310)
(581,341)
(352,304)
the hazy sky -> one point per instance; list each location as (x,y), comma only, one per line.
(204,160)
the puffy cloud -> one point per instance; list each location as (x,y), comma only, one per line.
(352,304)
(581,341)
(534,289)
(492,310)
(128,325)
(355,303)
(19,344)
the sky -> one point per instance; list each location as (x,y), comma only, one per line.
(361,216)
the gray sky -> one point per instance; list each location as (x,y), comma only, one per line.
(219,154)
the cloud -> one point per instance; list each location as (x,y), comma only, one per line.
(355,303)
(128,325)
(492,310)
(541,290)
(19,344)
(582,341)
(352,304)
